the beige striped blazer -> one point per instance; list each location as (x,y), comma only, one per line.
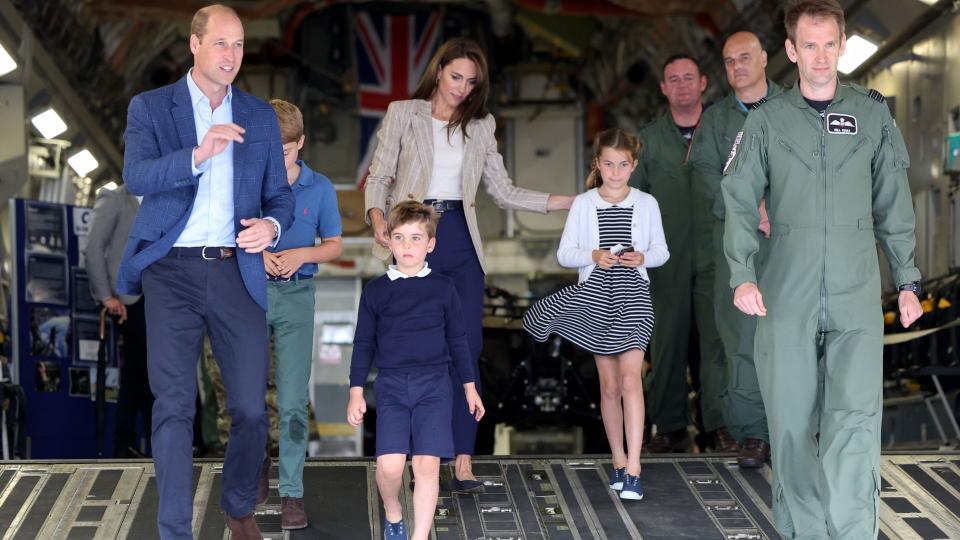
(403,162)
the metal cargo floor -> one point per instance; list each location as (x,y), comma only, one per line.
(691,496)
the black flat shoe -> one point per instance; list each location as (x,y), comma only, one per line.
(465,486)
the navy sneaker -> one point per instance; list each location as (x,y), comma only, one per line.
(465,486)
(394,531)
(616,479)
(632,490)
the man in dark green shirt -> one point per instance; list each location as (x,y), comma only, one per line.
(745,62)
(831,164)
(682,289)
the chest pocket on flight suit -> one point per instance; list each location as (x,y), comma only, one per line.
(794,186)
(853,183)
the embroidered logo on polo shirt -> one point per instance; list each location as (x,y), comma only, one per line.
(842,124)
(733,151)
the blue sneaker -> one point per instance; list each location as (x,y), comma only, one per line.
(632,490)
(616,479)
(394,531)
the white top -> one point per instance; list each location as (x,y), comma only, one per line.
(581,233)
(395,274)
(446,180)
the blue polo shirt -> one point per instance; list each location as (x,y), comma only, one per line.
(315,214)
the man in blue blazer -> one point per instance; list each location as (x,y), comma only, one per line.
(208,161)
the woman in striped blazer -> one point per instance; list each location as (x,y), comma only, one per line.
(436,148)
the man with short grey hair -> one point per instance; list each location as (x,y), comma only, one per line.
(745,62)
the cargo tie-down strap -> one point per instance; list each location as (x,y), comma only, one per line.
(896,339)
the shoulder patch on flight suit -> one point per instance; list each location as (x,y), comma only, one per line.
(873,94)
(759,103)
(733,151)
(841,124)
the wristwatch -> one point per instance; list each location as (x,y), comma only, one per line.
(276,228)
(913,286)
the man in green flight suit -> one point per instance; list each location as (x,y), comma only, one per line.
(745,62)
(682,289)
(832,165)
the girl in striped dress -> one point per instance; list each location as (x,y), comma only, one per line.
(613,234)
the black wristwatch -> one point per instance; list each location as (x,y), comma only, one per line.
(913,286)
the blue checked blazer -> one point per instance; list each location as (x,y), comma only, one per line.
(160,138)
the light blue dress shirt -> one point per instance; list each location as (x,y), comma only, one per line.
(211,221)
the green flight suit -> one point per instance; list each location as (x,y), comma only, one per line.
(683,287)
(834,185)
(743,412)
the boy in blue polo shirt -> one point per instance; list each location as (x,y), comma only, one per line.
(290,301)
(410,323)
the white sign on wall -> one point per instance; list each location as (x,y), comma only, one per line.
(82,221)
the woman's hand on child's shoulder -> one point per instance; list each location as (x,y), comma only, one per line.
(604,258)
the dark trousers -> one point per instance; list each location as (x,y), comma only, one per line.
(135,399)
(455,257)
(182,296)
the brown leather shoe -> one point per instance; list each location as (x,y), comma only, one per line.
(263,489)
(724,442)
(754,454)
(675,442)
(244,528)
(293,516)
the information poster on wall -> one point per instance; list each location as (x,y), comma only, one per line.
(55,324)
(87,333)
(83,300)
(49,332)
(46,279)
(45,228)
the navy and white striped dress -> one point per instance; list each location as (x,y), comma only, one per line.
(607,314)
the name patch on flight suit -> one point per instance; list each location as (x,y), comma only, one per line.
(842,124)
(733,151)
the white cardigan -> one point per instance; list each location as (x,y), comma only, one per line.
(581,233)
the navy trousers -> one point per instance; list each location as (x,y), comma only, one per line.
(182,296)
(455,257)
(135,399)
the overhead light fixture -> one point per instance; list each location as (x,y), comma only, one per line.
(109,186)
(49,123)
(858,50)
(7,63)
(83,162)
(929,2)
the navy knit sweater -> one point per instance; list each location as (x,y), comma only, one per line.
(409,324)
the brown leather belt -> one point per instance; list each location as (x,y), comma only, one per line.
(208,253)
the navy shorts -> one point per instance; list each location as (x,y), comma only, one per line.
(414,411)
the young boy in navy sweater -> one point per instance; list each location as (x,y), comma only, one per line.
(410,322)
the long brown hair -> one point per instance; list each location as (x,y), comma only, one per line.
(616,139)
(475,105)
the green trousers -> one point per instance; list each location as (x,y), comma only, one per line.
(744,412)
(290,320)
(683,294)
(819,358)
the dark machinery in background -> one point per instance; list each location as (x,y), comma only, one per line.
(531,385)
(926,356)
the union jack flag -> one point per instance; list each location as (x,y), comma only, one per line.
(392,52)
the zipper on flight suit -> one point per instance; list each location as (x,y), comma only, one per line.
(822,324)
